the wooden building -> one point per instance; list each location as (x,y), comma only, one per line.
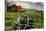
(15,8)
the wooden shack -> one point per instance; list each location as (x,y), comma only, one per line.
(15,8)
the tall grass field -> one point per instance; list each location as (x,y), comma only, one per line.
(11,18)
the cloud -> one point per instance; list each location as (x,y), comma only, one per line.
(28,0)
(27,4)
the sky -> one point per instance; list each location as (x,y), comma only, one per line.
(30,4)
(28,0)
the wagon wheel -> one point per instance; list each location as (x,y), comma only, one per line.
(23,23)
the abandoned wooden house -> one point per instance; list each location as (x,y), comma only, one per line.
(15,8)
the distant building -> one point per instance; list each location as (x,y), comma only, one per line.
(15,8)
(11,8)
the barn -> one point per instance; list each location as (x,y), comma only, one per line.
(15,8)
